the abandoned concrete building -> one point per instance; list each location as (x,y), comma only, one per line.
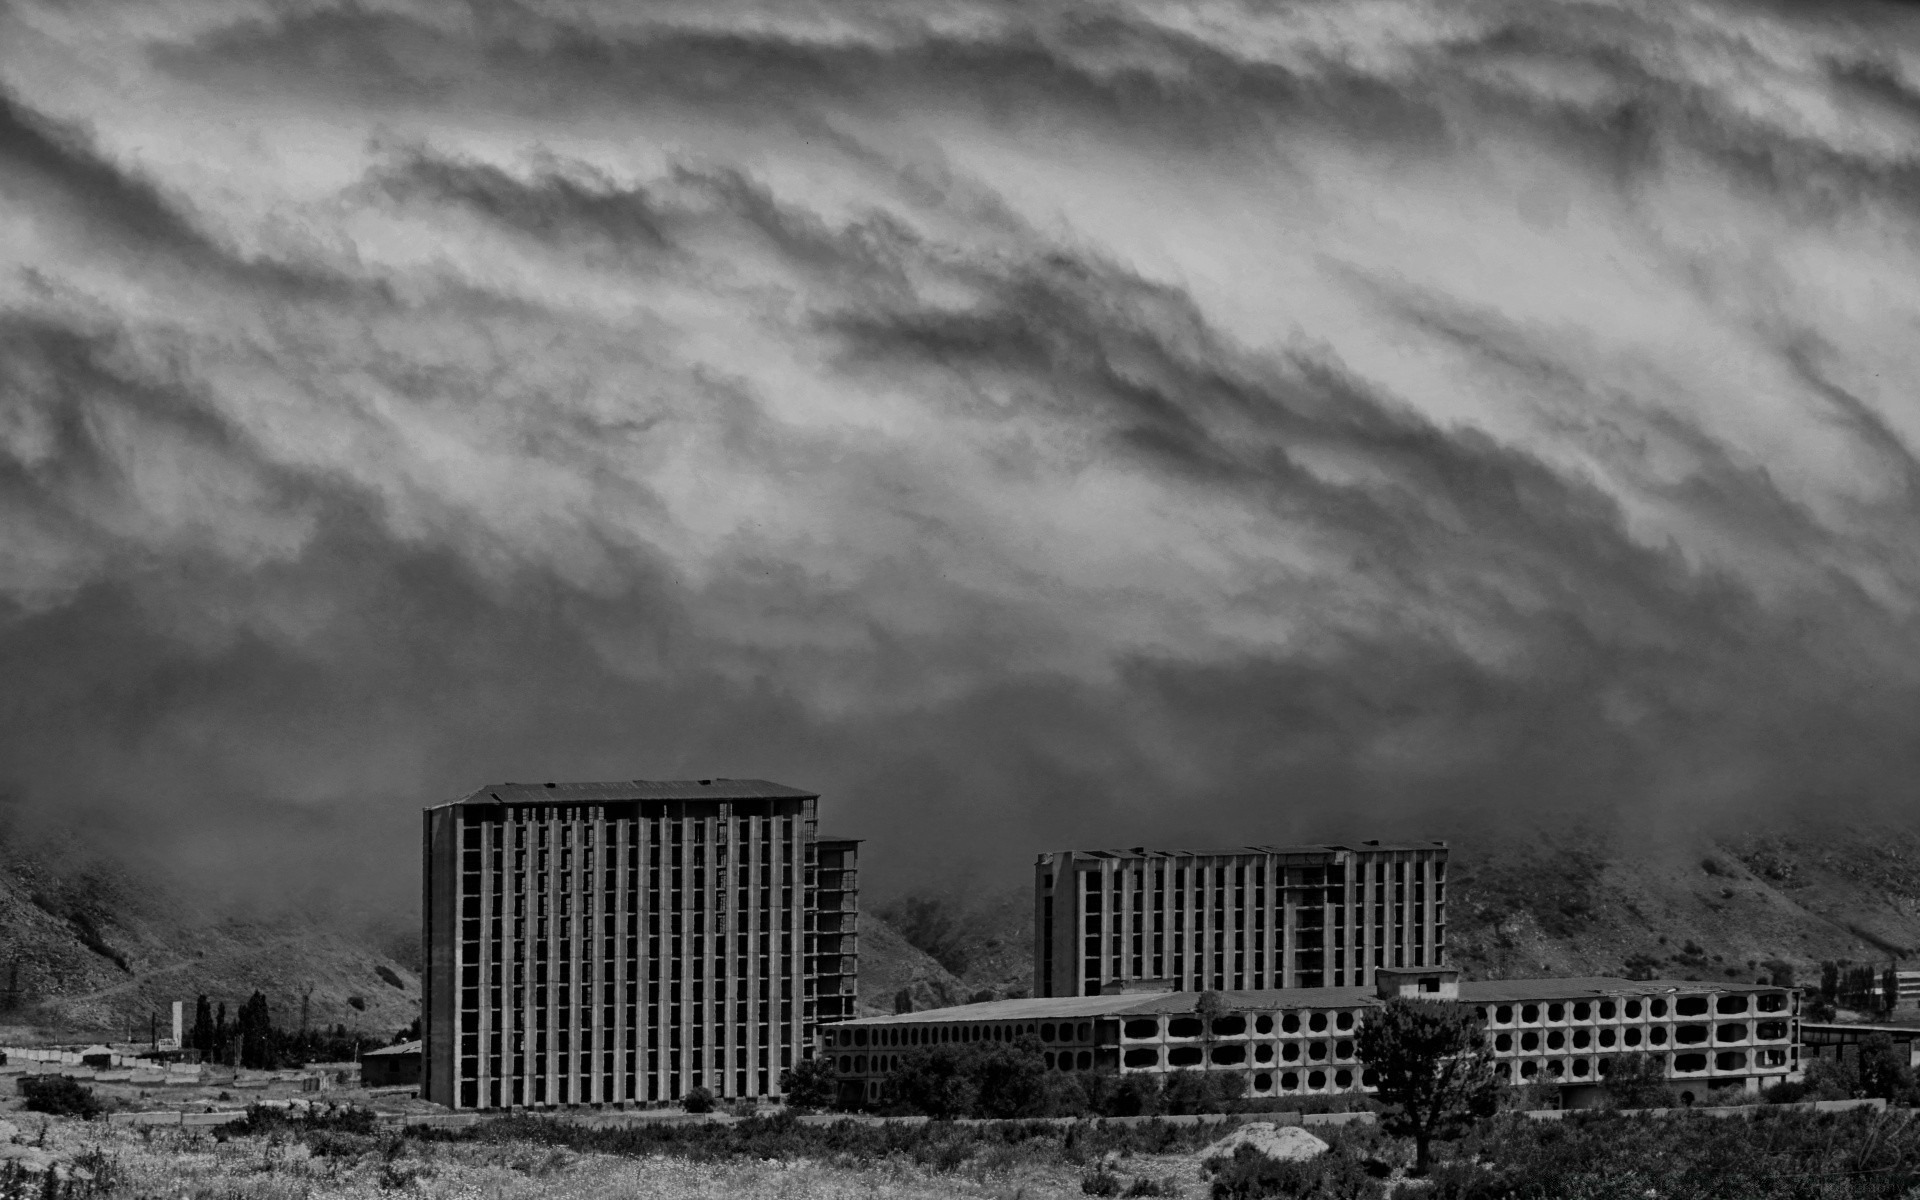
(1243,919)
(1301,1041)
(624,943)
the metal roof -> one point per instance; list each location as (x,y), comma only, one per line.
(402,1048)
(1056,1007)
(1491,991)
(631,789)
(1506,991)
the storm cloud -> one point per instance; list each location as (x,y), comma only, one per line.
(1027,424)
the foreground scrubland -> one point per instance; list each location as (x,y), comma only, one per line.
(1772,1154)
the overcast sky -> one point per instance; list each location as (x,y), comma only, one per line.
(1027,424)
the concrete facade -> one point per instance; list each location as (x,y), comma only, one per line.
(1300,1042)
(623,943)
(1244,919)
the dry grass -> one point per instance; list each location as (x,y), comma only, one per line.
(163,1164)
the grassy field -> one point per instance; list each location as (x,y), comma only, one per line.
(1770,1155)
(194,1165)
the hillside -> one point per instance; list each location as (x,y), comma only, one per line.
(1565,902)
(889,965)
(89,946)
(1704,908)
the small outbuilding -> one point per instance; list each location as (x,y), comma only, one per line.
(391,1066)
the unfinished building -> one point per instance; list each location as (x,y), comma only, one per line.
(1301,1042)
(624,943)
(1242,919)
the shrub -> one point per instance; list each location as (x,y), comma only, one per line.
(347,1119)
(989,1079)
(698,1100)
(1100,1182)
(811,1083)
(1883,1070)
(60,1096)
(1831,1079)
(1251,1175)
(1787,1091)
(1639,1081)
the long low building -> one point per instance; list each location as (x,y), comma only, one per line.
(1300,1041)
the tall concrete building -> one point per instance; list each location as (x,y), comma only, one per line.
(624,943)
(1241,919)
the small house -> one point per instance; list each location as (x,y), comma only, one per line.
(391,1066)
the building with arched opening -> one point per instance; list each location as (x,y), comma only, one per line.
(1709,1037)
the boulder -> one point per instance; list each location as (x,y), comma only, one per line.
(1281,1142)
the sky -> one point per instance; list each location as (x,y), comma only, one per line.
(1030,425)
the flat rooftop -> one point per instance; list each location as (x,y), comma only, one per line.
(1490,991)
(630,789)
(1306,851)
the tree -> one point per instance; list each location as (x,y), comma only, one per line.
(1889,989)
(933,1080)
(201,1038)
(698,1100)
(59,1096)
(1187,1093)
(811,1083)
(254,1030)
(1639,1081)
(1883,1070)
(983,1079)
(1009,1078)
(1137,1095)
(1433,1067)
(1208,1007)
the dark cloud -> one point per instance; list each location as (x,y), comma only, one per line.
(1028,428)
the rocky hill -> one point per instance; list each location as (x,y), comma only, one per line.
(88,946)
(1562,901)
(1703,908)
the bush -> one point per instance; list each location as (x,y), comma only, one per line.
(1831,1079)
(988,1079)
(345,1119)
(1251,1175)
(699,1100)
(1883,1070)
(1100,1182)
(1639,1081)
(1787,1091)
(811,1083)
(60,1096)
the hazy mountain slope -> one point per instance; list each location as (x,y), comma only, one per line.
(888,965)
(1572,901)
(981,935)
(87,945)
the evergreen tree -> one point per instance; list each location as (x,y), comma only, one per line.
(201,1038)
(1435,1070)
(255,1034)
